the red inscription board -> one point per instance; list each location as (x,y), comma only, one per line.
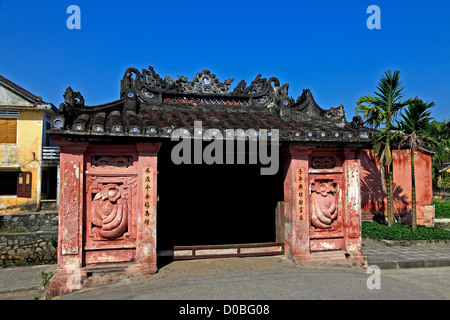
(301,203)
(147,194)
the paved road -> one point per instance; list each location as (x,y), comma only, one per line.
(272,278)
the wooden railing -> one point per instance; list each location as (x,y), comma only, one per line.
(226,250)
(50,153)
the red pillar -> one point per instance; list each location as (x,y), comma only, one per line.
(146,256)
(352,206)
(70,231)
(297,218)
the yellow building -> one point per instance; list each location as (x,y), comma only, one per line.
(28,157)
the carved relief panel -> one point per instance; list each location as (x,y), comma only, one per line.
(324,200)
(111,199)
(106,158)
(111,162)
(109,213)
(323,162)
(326,196)
(110,210)
(326,212)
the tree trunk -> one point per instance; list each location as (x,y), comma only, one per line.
(441,181)
(390,200)
(413,194)
(391,190)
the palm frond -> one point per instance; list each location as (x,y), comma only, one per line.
(416,126)
(382,107)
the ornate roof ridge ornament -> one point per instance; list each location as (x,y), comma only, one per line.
(151,88)
(204,82)
(152,106)
(73,98)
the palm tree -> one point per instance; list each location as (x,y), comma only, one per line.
(440,130)
(413,132)
(380,110)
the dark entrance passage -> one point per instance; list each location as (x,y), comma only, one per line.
(216,204)
(49,182)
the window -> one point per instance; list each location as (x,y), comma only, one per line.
(48,141)
(8,130)
(8,183)
(15,183)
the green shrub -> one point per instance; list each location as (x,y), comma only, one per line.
(398,231)
(45,278)
(442,209)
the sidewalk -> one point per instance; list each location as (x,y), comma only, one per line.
(406,254)
(21,279)
(384,254)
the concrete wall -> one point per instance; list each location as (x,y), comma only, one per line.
(374,202)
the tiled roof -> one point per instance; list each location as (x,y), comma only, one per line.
(154,108)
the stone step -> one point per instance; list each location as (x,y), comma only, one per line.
(49,204)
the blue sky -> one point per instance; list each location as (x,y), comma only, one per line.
(321,45)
